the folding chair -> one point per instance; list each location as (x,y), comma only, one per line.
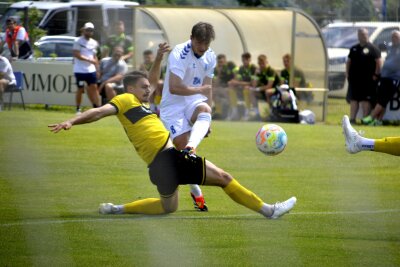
(15,88)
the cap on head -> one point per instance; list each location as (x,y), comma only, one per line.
(88,25)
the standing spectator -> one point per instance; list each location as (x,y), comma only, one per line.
(363,68)
(264,82)
(85,66)
(389,82)
(7,77)
(119,39)
(299,80)
(187,95)
(223,73)
(17,40)
(240,85)
(112,71)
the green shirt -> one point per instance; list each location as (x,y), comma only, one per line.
(264,76)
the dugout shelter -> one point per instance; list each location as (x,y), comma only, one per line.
(255,30)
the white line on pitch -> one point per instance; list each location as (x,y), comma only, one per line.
(114,218)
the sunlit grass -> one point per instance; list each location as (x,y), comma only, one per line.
(51,184)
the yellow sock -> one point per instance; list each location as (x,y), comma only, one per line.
(389,145)
(145,206)
(232,97)
(243,196)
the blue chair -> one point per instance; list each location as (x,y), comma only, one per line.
(16,88)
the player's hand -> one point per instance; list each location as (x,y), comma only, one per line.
(163,48)
(206,90)
(55,128)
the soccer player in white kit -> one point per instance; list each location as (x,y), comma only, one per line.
(186,100)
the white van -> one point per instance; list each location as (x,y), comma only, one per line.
(340,37)
(66,18)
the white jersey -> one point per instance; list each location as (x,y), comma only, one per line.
(87,48)
(6,71)
(192,70)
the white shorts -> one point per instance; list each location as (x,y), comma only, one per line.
(176,118)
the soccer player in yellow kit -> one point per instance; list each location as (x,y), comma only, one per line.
(356,143)
(168,167)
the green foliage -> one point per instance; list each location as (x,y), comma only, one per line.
(34,16)
(393,10)
(51,184)
(362,10)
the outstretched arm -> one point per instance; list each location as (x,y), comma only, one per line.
(155,71)
(88,116)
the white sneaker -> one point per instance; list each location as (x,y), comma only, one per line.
(78,112)
(353,138)
(108,208)
(281,208)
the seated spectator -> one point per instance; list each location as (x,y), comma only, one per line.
(388,83)
(112,70)
(299,80)
(119,39)
(148,60)
(17,40)
(223,73)
(155,98)
(264,82)
(7,78)
(239,87)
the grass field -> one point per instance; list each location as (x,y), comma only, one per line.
(348,211)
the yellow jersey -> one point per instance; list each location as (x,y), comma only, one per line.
(143,128)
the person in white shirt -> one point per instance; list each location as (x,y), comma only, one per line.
(7,77)
(186,103)
(86,65)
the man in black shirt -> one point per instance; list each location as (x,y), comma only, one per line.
(362,69)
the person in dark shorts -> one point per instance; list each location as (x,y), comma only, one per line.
(362,69)
(389,82)
(168,167)
(85,66)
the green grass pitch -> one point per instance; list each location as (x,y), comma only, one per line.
(348,210)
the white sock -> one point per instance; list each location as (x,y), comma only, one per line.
(195,190)
(267,210)
(119,209)
(199,129)
(367,144)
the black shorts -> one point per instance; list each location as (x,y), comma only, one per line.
(386,89)
(81,78)
(362,90)
(171,168)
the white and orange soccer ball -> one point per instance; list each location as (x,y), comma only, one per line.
(271,139)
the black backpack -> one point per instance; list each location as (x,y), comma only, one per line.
(284,106)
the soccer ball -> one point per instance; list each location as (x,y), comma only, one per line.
(271,139)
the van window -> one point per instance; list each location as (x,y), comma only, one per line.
(58,23)
(96,17)
(385,36)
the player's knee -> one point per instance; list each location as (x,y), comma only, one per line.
(204,108)
(224,178)
(170,208)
